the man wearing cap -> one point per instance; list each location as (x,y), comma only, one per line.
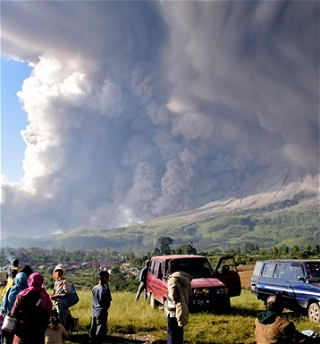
(61,290)
(272,328)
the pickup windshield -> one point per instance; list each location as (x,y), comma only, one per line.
(196,267)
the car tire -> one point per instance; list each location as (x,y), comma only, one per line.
(314,312)
(153,302)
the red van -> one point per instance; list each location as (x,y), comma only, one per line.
(209,293)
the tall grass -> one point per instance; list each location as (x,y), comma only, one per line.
(138,319)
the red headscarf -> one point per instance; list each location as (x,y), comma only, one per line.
(35,282)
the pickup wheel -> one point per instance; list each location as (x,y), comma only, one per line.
(314,312)
(153,302)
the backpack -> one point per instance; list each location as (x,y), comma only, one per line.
(72,299)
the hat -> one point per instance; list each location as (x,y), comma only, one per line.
(59,267)
(275,303)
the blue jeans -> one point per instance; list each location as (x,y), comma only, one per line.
(174,332)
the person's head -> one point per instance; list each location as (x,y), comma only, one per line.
(15,263)
(274,303)
(147,262)
(54,319)
(27,270)
(104,277)
(173,266)
(21,280)
(14,272)
(58,272)
(35,280)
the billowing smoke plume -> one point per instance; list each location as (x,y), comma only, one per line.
(141,109)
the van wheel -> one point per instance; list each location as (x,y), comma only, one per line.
(153,302)
(314,313)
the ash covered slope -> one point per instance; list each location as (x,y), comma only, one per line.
(286,217)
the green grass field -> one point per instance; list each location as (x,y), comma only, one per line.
(137,322)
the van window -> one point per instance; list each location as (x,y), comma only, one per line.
(153,269)
(257,268)
(313,269)
(281,270)
(268,269)
(296,272)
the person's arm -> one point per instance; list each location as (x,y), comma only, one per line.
(63,292)
(293,335)
(63,331)
(173,292)
(16,307)
(106,298)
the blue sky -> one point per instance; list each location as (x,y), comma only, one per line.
(13,118)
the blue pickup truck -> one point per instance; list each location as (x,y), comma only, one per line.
(298,281)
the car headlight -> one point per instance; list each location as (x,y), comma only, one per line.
(220,291)
(206,290)
(197,291)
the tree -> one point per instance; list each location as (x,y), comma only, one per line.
(164,243)
(186,249)
(249,247)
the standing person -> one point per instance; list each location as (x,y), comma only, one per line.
(27,270)
(179,293)
(272,328)
(143,281)
(55,331)
(32,308)
(61,290)
(101,303)
(10,280)
(16,264)
(20,283)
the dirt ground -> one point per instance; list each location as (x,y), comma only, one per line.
(245,272)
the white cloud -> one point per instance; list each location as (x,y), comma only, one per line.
(140,109)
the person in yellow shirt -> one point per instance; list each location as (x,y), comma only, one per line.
(10,279)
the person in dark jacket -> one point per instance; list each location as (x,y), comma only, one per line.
(272,328)
(143,281)
(101,304)
(32,308)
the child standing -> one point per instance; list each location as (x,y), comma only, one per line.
(101,303)
(55,331)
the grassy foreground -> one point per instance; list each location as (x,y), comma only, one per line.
(136,322)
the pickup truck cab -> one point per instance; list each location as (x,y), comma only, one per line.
(297,280)
(210,290)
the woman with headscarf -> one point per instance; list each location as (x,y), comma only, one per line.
(32,309)
(20,283)
(61,290)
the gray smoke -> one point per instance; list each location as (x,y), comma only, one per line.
(142,109)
